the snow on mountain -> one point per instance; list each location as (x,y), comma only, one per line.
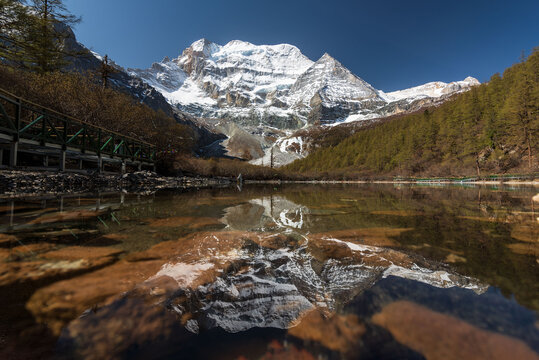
(433,89)
(332,81)
(211,80)
(268,88)
(275,85)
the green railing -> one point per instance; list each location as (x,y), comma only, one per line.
(23,119)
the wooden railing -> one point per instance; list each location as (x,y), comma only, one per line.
(23,119)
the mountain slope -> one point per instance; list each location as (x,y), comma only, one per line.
(490,129)
(89,62)
(329,91)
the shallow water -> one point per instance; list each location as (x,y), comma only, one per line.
(273,272)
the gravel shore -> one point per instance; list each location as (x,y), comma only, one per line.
(16,183)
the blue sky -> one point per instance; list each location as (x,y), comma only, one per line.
(390,44)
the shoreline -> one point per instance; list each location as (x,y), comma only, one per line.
(24,184)
(17,183)
(416,182)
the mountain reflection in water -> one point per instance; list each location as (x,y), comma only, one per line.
(296,272)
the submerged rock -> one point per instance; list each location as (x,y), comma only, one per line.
(335,332)
(440,336)
(188,221)
(63,216)
(63,301)
(7,239)
(83,252)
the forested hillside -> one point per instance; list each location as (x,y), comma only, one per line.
(491,129)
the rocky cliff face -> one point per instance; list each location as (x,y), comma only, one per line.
(88,61)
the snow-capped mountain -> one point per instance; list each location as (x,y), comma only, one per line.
(433,90)
(275,85)
(328,91)
(249,101)
(239,80)
(270,91)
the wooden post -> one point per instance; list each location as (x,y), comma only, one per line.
(46,161)
(62,165)
(99,164)
(99,141)
(123,167)
(64,134)
(13,153)
(12,212)
(113,146)
(43,131)
(80,164)
(83,146)
(15,144)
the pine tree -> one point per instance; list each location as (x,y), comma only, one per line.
(521,106)
(47,34)
(105,71)
(15,20)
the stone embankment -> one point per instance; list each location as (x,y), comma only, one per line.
(14,183)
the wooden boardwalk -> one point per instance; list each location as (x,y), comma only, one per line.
(42,133)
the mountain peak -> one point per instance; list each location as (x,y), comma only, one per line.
(239,44)
(329,63)
(326,58)
(204,46)
(472,81)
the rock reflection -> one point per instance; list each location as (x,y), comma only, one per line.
(249,279)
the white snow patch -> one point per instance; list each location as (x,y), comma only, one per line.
(433,89)
(356,247)
(440,279)
(183,273)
